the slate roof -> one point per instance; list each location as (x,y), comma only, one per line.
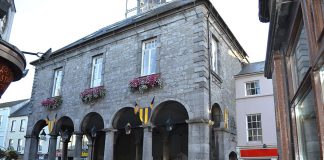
(135,20)
(256,67)
(22,111)
(12,103)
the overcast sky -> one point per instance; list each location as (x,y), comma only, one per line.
(43,24)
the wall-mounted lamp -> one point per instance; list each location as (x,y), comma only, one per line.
(93,132)
(128,128)
(169,124)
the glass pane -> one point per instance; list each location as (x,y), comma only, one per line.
(300,61)
(308,140)
(254,118)
(153,66)
(145,63)
(259,117)
(249,118)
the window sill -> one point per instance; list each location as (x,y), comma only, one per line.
(217,78)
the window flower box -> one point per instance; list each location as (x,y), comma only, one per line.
(52,103)
(90,95)
(145,83)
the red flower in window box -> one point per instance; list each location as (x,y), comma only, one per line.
(52,103)
(90,95)
(146,82)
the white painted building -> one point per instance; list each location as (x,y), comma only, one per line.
(255,114)
(17,127)
(5,110)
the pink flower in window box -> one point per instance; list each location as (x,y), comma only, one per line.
(146,82)
(52,103)
(90,95)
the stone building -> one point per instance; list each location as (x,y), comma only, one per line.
(255,114)
(157,85)
(294,60)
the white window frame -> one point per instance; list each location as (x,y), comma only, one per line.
(150,70)
(22,125)
(256,130)
(12,129)
(57,84)
(96,74)
(214,55)
(257,88)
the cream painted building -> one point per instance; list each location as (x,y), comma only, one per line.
(255,114)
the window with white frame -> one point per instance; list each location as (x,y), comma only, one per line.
(149,57)
(10,145)
(214,55)
(22,125)
(13,122)
(96,74)
(252,88)
(254,127)
(19,145)
(57,82)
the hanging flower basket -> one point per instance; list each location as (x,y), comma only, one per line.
(144,83)
(90,95)
(52,103)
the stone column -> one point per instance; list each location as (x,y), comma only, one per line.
(31,146)
(52,147)
(147,144)
(109,144)
(198,139)
(78,145)
(65,150)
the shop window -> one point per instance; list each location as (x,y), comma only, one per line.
(308,141)
(299,59)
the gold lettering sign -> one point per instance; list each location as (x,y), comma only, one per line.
(6,77)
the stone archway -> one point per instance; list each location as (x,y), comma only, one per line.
(170,132)
(64,128)
(32,140)
(92,126)
(232,156)
(216,147)
(128,140)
